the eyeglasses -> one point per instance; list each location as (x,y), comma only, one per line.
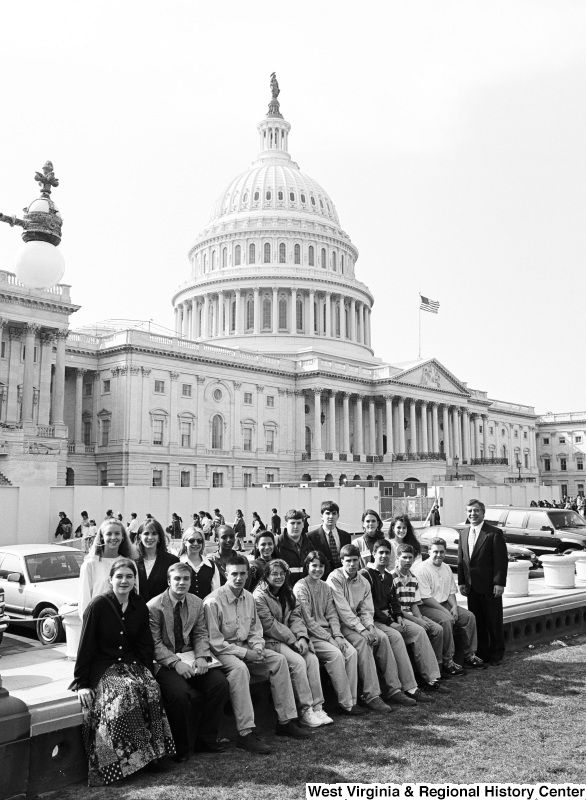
(277,574)
(194,541)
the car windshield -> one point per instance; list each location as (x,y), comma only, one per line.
(53,566)
(566,519)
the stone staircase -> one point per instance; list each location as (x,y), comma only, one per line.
(4,480)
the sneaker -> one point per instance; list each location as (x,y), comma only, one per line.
(452,669)
(419,696)
(323,717)
(435,686)
(473,662)
(311,719)
(292,729)
(400,699)
(253,744)
(355,711)
(376,704)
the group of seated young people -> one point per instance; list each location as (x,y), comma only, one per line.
(167,640)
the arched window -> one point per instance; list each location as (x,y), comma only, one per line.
(337,326)
(323,257)
(233,315)
(312,200)
(217,432)
(251,254)
(266,314)
(299,314)
(279,195)
(315,318)
(303,198)
(205,262)
(311,256)
(249,314)
(334,262)
(342,264)
(224,257)
(268,194)
(267,253)
(347,323)
(237,255)
(213,260)
(297,254)
(292,196)
(282,253)
(283,313)
(256,195)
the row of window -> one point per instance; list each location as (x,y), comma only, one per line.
(186,478)
(315,256)
(304,198)
(563,465)
(562,439)
(4,351)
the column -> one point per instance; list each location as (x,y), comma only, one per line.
(358,427)
(328,314)
(45,381)
(413,425)
(184,321)
(299,421)
(379,430)
(447,439)
(353,320)
(389,414)
(457,451)
(29,366)
(424,437)
(317,419)
(343,331)
(133,425)
(311,312)
(371,427)
(275,310)
(57,416)
(533,442)
(466,435)
(368,331)
(401,423)
(345,423)
(293,319)
(332,422)
(363,324)
(177,320)
(485,435)
(220,323)
(78,432)
(205,329)
(256,311)
(238,311)
(14,374)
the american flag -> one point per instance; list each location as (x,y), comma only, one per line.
(428,305)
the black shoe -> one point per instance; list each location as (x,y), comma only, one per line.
(252,744)
(473,662)
(181,759)
(206,746)
(496,662)
(292,729)
(435,687)
(419,696)
(355,711)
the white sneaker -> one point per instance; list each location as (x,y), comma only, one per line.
(321,715)
(310,718)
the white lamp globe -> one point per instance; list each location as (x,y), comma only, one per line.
(39,265)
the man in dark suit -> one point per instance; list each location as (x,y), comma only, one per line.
(327,537)
(182,650)
(482,576)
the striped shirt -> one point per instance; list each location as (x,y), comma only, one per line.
(407,588)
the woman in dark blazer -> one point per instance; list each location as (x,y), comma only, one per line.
(153,559)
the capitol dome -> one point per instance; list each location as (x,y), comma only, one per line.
(273,271)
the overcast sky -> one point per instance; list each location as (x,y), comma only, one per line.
(449,135)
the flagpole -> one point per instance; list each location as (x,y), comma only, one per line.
(420,326)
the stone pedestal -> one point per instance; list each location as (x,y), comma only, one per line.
(72,625)
(559,572)
(517,579)
(581,569)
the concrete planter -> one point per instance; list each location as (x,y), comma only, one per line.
(559,572)
(581,569)
(72,624)
(517,579)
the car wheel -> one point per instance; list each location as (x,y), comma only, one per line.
(49,626)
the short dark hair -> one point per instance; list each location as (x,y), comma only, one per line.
(178,566)
(274,510)
(475,502)
(405,548)
(382,543)
(350,550)
(222,528)
(439,541)
(237,561)
(330,505)
(314,555)
(123,562)
(293,513)
(133,515)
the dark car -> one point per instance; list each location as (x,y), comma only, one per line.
(544,530)
(451,534)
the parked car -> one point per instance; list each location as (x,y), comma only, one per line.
(544,530)
(3,617)
(451,534)
(36,580)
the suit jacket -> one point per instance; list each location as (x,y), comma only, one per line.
(195,632)
(319,540)
(157,580)
(489,562)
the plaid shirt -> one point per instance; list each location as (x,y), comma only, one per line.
(407,589)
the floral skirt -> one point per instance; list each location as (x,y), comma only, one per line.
(126,727)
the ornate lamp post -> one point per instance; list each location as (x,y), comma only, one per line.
(456,462)
(518,465)
(38,264)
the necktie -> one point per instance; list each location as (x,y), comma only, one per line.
(333,549)
(472,541)
(178,628)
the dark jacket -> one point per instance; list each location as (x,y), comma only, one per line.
(106,641)
(387,608)
(319,541)
(489,563)
(157,581)
(295,557)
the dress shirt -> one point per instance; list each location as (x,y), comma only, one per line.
(473,535)
(232,622)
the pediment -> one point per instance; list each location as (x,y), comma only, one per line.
(431,375)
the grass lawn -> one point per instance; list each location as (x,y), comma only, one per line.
(523,722)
